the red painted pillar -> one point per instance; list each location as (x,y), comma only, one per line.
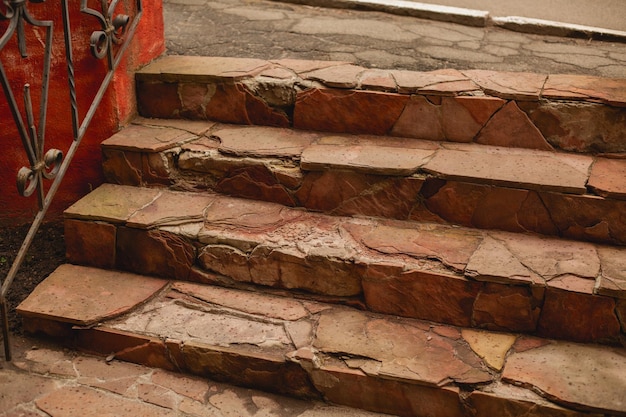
(116,109)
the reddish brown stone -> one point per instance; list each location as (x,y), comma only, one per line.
(608,178)
(148,138)
(347,111)
(156,168)
(202,69)
(90,243)
(509,401)
(259,141)
(355,389)
(578,316)
(226,261)
(612,279)
(255,182)
(441,82)
(506,308)
(508,85)
(511,127)
(621,313)
(154,252)
(300,66)
(420,119)
(378,80)
(168,103)
(193,98)
(419,294)
(121,167)
(338,76)
(464,117)
(580,126)
(568,86)
(171,207)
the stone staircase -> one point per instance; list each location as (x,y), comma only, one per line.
(419,244)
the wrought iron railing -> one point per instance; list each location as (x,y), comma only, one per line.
(108,42)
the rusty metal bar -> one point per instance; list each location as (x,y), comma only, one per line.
(114,31)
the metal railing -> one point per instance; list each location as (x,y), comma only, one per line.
(109,42)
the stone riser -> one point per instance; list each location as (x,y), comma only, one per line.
(309,349)
(574,113)
(574,196)
(465,277)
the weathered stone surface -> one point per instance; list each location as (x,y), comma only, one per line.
(263,141)
(442,81)
(378,80)
(339,76)
(171,208)
(464,117)
(441,298)
(410,356)
(511,127)
(420,118)
(379,160)
(154,253)
(612,279)
(90,243)
(525,169)
(112,203)
(508,85)
(568,86)
(573,375)
(491,347)
(507,308)
(347,111)
(168,105)
(18,388)
(122,167)
(257,183)
(579,126)
(96,295)
(571,312)
(493,261)
(300,66)
(608,178)
(148,138)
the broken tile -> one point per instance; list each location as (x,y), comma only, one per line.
(607,178)
(508,85)
(338,76)
(171,208)
(491,347)
(148,138)
(612,279)
(260,141)
(569,86)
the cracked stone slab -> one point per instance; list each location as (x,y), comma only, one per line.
(402,351)
(82,295)
(491,347)
(584,377)
(612,279)
(171,209)
(149,138)
(263,141)
(607,178)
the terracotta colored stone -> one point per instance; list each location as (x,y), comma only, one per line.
(112,203)
(450,246)
(433,81)
(464,117)
(168,104)
(338,76)
(154,253)
(510,401)
(621,313)
(122,167)
(193,388)
(420,119)
(568,313)
(579,126)
(494,262)
(378,80)
(526,169)
(568,86)
(263,141)
(90,243)
(355,389)
(171,208)
(257,183)
(112,376)
(159,396)
(420,294)
(274,307)
(199,128)
(347,111)
(507,308)
(612,279)
(573,375)
(227,261)
(511,127)
(18,388)
(148,138)
(409,357)
(607,178)
(491,347)
(157,168)
(508,85)
(379,160)
(70,401)
(300,66)
(81,295)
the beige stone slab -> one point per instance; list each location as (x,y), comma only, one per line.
(608,178)
(585,377)
(490,346)
(172,209)
(612,279)
(260,141)
(341,76)
(494,262)
(148,138)
(534,170)
(114,203)
(82,295)
(380,160)
(509,85)
(201,69)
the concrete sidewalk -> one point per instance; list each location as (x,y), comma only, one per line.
(273,30)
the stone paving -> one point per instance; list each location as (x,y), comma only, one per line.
(273,30)
(45,380)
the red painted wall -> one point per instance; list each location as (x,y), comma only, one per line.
(116,109)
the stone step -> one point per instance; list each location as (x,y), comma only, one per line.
(539,111)
(576,196)
(310,349)
(496,280)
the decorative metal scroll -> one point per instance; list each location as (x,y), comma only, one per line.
(109,42)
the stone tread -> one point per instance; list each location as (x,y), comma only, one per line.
(526,110)
(486,279)
(547,192)
(347,356)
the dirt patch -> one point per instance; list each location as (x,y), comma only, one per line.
(46,253)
